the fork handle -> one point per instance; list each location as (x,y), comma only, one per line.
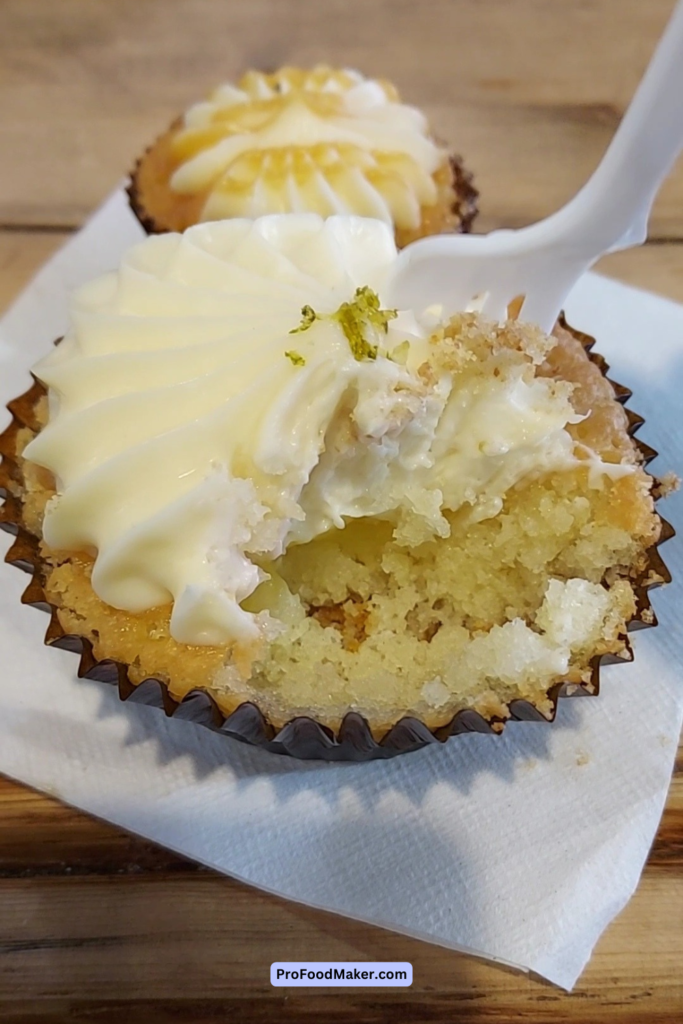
(611,211)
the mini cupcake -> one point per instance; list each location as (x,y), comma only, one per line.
(254,480)
(320,141)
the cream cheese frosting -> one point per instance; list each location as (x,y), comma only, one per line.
(194,437)
(324,141)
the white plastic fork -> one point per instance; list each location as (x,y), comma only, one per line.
(544,261)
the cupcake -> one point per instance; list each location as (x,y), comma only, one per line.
(320,141)
(244,475)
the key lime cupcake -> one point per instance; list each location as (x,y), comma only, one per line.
(322,141)
(254,479)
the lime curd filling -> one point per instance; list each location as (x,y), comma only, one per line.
(325,141)
(211,405)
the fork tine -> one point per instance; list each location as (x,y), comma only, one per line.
(542,308)
(496,305)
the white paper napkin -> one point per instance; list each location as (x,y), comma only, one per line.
(521,848)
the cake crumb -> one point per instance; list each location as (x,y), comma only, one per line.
(436,693)
(582,759)
(666,485)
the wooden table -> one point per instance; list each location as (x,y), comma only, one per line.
(96,925)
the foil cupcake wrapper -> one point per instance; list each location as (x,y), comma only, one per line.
(302,737)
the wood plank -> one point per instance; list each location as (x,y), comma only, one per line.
(40,836)
(313,1006)
(205,938)
(521,88)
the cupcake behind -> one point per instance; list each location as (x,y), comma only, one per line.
(322,141)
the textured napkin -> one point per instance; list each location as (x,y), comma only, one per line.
(520,849)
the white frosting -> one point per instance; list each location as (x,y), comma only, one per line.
(188,449)
(327,142)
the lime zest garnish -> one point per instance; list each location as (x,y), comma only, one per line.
(356,318)
(295,358)
(308,318)
(366,305)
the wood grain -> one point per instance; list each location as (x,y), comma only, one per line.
(529,90)
(21,254)
(97,926)
(207,939)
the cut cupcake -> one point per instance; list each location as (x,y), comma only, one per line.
(322,141)
(254,479)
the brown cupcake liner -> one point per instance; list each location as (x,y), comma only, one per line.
(464,206)
(465,203)
(134,191)
(302,737)
(147,222)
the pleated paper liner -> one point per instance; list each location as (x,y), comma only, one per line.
(302,737)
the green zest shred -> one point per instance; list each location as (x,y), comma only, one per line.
(295,357)
(308,317)
(356,319)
